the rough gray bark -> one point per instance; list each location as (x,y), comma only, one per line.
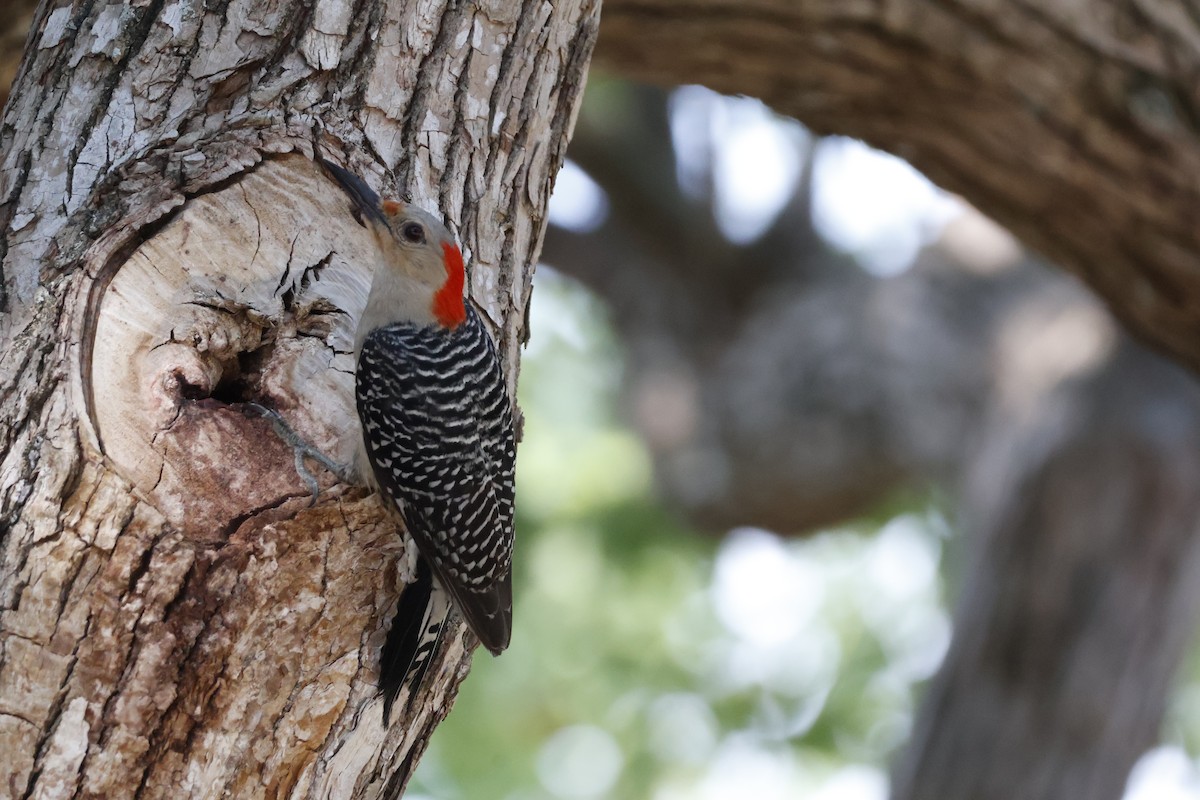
(174,620)
(1072,124)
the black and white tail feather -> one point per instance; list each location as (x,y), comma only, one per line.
(413,639)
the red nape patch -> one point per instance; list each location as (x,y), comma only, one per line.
(448,301)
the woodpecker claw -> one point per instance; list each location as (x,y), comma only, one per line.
(300,450)
(309,479)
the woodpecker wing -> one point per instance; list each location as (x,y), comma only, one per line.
(485,602)
(438,429)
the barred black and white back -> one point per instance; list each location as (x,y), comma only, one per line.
(437,426)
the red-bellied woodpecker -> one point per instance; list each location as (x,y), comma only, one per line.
(437,432)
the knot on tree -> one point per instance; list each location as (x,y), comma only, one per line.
(248,294)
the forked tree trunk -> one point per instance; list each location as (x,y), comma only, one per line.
(174,619)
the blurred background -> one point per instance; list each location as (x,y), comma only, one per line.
(828,489)
(825,484)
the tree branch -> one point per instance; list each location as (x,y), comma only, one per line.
(1076,131)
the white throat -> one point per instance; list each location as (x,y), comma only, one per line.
(393,298)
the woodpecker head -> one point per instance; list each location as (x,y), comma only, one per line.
(420,274)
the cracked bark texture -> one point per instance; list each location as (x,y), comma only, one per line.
(1072,124)
(174,620)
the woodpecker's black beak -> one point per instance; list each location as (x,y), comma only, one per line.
(366,202)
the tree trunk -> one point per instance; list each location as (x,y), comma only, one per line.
(1081,595)
(174,619)
(1073,124)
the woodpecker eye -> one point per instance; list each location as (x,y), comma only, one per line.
(413,233)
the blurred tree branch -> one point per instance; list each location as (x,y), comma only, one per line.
(779,385)
(1074,126)
(857,386)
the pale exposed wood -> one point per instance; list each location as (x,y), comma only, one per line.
(174,620)
(269,313)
